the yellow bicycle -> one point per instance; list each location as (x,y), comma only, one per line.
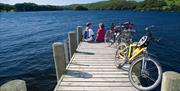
(144,72)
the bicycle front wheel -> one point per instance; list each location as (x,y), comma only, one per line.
(108,38)
(145,75)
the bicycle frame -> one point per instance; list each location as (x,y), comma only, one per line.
(134,51)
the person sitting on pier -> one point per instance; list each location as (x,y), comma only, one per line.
(100,33)
(88,33)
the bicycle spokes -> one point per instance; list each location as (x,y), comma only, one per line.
(147,72)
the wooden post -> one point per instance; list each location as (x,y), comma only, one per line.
(72,43)
(66,52)
(59,59)
(79,34)
(170,81)
(14,85)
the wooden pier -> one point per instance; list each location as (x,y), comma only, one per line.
(92,68)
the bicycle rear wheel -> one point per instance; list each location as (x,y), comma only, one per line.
(147,79)
(121,55)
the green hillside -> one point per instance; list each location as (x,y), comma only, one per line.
(162,5)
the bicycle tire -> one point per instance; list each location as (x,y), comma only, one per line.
(108,39)
(119,62)
(131,73)
(117,42)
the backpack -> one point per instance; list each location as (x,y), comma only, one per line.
(86,34)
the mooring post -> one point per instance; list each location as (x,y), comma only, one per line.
(170,81)
(72,43)
(66,52)
(14,85)
(59,59)
(79,34)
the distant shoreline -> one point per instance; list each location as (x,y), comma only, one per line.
(93,10)
(90,10)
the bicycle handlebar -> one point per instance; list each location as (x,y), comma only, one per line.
(149,34)
(149,27)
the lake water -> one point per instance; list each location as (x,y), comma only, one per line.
(26,40)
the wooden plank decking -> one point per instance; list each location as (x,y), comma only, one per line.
(92,68)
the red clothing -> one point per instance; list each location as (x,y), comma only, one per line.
(128,25)
(100,35)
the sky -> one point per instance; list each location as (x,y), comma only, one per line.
(51,2)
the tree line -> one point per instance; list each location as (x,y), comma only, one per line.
(172,5)
(164,5)
(22,7)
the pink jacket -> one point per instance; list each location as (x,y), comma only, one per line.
(100,35)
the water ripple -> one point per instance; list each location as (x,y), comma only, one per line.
(26,40)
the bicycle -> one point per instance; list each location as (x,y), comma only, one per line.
(144,72)
(119,35)
(126,36)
